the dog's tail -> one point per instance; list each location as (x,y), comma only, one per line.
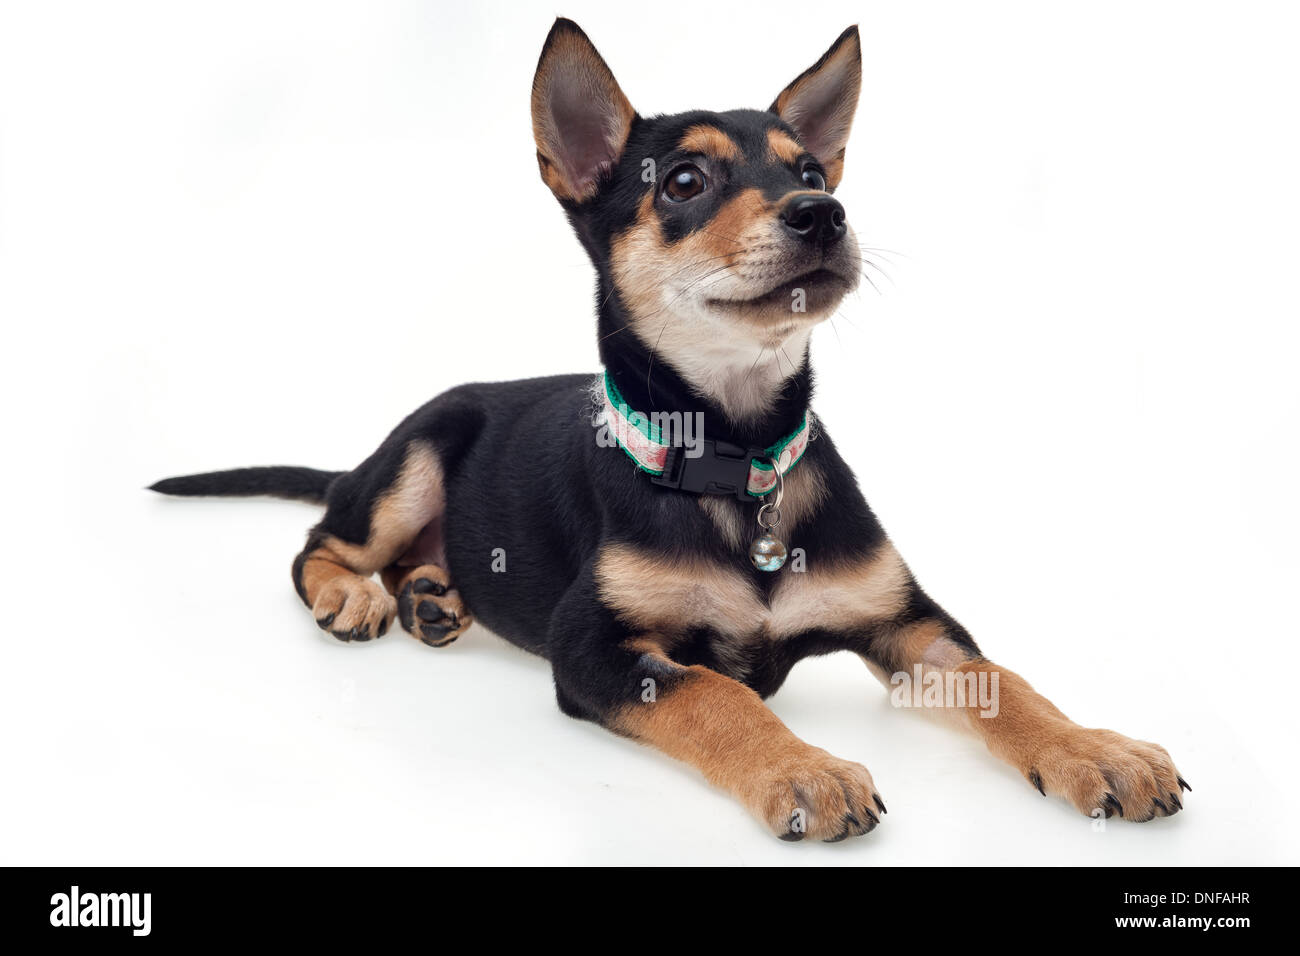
(279,481)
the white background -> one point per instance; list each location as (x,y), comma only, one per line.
(243,233)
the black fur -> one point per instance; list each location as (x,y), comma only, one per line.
(280,481)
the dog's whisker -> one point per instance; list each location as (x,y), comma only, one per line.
(793,370)
(710,232)
(835,328)
(689,286)
(888,278)
(862,259)
(886,253)
(867,276)
(757,359)
(655,348)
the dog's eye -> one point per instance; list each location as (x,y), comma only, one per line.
(685,182)
(813,178)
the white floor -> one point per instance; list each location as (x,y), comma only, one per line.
(182,708)
(246,238)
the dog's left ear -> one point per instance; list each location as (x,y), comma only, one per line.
(820,103)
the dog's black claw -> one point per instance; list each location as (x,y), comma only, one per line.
(428,611)
(326,621)
(383,627)
(1174,798)
(1110,802)
(795,833)
(1184,784)
(880,804)
(425,586)
(1037,781)
(875,820)
(1161,804)
(838,837)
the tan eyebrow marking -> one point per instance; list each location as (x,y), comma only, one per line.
(783,147)
(710,141)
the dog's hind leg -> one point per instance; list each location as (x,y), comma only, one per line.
(428,606)
(376,516)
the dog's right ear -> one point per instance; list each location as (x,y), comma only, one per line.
(581,118)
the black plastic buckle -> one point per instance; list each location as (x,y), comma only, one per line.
(721,469)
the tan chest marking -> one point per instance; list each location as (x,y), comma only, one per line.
(843,595)
(652,593)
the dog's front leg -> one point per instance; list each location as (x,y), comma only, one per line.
(628,684)
(1099,771)
(722,727)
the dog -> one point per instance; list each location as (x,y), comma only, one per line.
(675,533)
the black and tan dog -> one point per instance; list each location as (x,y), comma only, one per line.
(718,246)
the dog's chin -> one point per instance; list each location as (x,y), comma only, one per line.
(807,298)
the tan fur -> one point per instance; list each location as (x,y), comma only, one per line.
(342,600)
(841,596)
(640,261)
(335,577)
(742,220)
(783,148)
(720,726)
(657,593)
(649,271)
(1082,764)
(709,141)
(834,166)
(399,514)
(925,642)
(1026,730)
(653,592)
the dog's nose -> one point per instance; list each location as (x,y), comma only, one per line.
(818,219)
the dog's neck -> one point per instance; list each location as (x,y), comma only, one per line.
(746,397)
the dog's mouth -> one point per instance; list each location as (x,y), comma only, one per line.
(810,294)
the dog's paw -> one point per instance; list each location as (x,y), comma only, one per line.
(817,796)
(1102,771)
(353,608)
(429,608)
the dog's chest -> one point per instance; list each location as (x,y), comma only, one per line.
(672,597)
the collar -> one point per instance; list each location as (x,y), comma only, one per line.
(708,467)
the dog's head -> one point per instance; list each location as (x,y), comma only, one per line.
(715,233)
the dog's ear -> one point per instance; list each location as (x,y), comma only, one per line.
(581,118)
(821,101)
